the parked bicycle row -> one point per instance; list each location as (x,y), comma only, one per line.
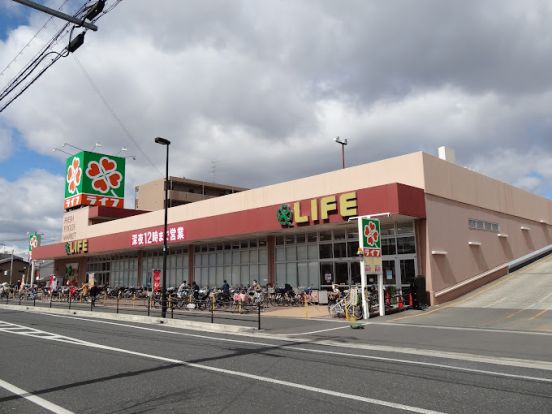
(348,303)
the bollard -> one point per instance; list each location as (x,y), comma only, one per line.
(118,296)
(258,316)
(50,300)
(306,308)
(212,309)
(34,300)
(149,304)
(346,310)
(91,303)
(171,305)
(69,300)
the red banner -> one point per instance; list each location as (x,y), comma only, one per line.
(156,280)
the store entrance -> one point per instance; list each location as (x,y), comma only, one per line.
(398,270)
(344,272)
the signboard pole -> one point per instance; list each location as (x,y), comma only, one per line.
(381,298)
(365,309)
(31,277)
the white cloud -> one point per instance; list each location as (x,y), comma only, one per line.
(34,202)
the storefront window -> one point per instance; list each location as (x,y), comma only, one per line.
(405,228)
(352,248)
(340,250)
(388,247)
(325,251)
(406,245)
(325,235)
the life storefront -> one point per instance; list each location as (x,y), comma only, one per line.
(315,259)
(306,243)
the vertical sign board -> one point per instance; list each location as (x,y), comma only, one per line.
(34,241)
(156,280)
(370,248)
(371,244)
(93,179)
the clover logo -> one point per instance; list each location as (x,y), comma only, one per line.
(74,175)
(104,175)
(33,241)
(284,215)
(371,233)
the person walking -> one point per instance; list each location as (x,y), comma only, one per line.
(93,293)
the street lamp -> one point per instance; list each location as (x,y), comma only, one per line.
(166,142)
(342,142)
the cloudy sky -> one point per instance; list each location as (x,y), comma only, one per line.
(254,92)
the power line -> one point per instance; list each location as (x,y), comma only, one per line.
(30,41)
(71,47)
(113,113)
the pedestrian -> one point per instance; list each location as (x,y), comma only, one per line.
(181,289)
(195,289)
(226,290)
(93,293)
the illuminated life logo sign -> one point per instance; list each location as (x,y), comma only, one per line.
(76,247)
(284,215)
(94,179)
(320,209)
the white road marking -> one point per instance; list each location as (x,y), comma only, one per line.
(542,365)
(373,401)
(33,398)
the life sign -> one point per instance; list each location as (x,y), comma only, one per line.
(320,209)
(93,179)
(371,238)
(76,247)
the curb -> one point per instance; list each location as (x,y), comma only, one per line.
(175,323)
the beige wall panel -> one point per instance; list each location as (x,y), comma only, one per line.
(406,169)
(452,181)
(151,196)
(447,229)
(74,225)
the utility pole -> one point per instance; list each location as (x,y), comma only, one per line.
(342,142)
(11,267)
(59,14)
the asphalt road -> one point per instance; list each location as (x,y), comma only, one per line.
(98,366)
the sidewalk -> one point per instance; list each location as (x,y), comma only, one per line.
(313,311)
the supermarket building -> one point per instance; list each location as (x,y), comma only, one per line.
(457,227)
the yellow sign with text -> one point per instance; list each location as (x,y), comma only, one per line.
(321,208)
(76,247)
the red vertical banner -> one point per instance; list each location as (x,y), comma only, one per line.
(156,280)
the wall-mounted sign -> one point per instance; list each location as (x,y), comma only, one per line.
(285,215)
(152,237)
(94,179)
(76,247)
(320,209)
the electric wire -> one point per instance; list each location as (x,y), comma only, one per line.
(24,74)
(33,64)
(114,114)
(31,40)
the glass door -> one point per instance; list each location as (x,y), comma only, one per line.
(397,271)
(342,273)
